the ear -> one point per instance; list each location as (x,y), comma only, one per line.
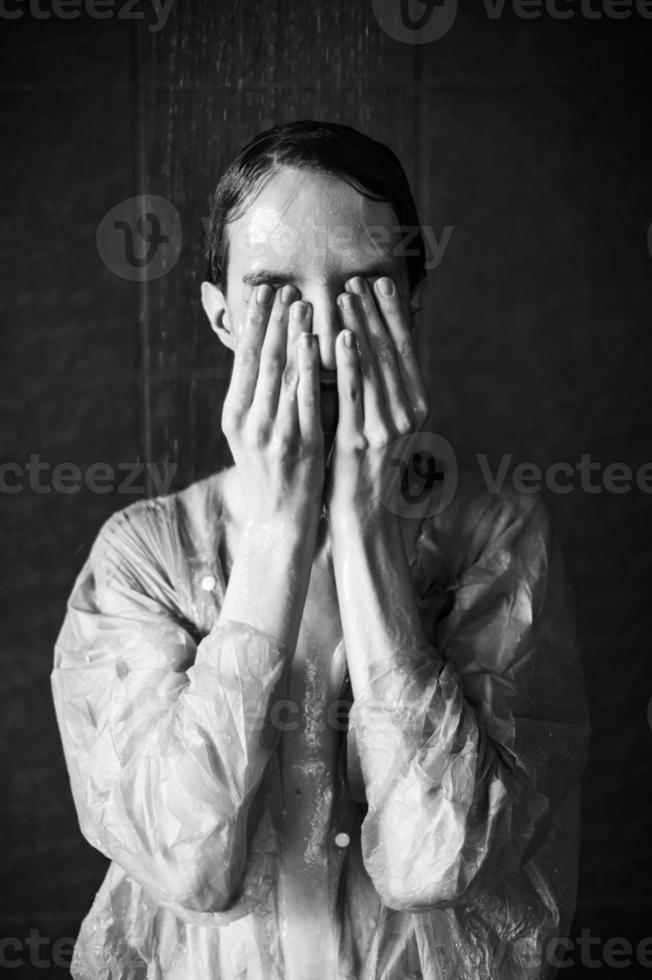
(214,302)
(417,300)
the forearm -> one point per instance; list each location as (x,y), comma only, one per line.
(454,800)
(269,580)
(165,767)
(380,619)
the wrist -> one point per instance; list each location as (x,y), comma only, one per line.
(283,525)
(269,578)
(363,521)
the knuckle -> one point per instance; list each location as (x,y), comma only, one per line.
(230,420)
(359,444)
(257,315)
(279,443)
(404,348)
(379,437)
(308,396)
(261,438)
(404,422)
(289,376)
(246,354)
(353,393)
(274,362)
(258,432)
(422,408)
(383,350)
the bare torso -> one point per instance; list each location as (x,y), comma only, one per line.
(308,763)
(308,753)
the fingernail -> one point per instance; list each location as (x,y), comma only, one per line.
(298,311)
(358,285)
(385,287)
(348,338)
(287,293)
(263,294)
(347,302)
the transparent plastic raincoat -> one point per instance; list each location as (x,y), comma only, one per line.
(457,789)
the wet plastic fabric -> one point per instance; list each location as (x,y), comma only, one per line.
(457,786)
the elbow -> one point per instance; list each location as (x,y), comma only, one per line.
(412,890)
(203,898)
(186,884)
(417,871)
(420,878)
(420,886)
(205,888)
(437,863)
(192,878)
(208,877)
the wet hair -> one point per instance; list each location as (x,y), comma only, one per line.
(330,148)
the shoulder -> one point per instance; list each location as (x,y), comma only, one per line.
(481,526)
(160,532)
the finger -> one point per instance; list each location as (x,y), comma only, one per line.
(393,316)
(350,423)
(242,388)
(300,320)
(308,399)
(382,345)
(373,402)
(247,353)
(273,356)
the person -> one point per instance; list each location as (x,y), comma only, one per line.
(318,734)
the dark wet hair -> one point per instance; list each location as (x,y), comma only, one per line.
(340,151)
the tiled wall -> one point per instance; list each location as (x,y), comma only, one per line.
(527,137)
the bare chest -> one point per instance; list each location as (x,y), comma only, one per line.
(313,721)
(308,750)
